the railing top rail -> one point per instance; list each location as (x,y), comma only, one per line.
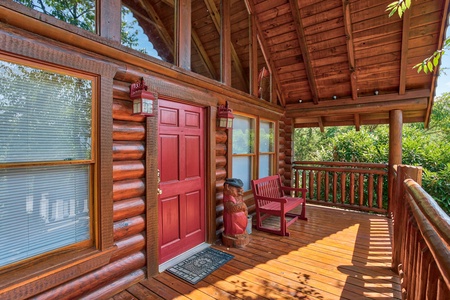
(434,224)
(342,164)
(340,169)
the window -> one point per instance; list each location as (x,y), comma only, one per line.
(250,159)
(243,149)
(75,12)
(46,160)
(266,148)
(149,29)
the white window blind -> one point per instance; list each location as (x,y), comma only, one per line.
(45,118)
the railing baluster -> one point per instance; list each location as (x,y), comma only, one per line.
(311,184)
(334,187)
(327,186)
(380,191)
(343,177)
(352,188)
(361,189)
(370,190)
(319,184)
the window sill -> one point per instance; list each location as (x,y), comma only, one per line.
(34,278)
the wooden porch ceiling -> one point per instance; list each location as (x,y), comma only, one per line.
(333,62)
(336,254)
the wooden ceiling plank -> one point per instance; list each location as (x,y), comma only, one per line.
(215,16)
(404,52)
(304,49)
(350,49)
(444,23)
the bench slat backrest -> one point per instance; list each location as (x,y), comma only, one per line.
(267,187)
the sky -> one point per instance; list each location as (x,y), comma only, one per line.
(443,81)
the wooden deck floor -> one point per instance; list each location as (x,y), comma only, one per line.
(334,255)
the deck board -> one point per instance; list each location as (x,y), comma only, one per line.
(336,254)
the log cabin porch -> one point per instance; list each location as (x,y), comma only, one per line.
(330,63)
(336,254)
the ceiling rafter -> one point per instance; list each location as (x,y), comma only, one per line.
(148,7)
(169,40)
(350,48)
(215,15)
(264,48)
(404,52)
(295,9)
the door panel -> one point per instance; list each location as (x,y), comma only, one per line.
(181,165)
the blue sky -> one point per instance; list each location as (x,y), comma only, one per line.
(443,81)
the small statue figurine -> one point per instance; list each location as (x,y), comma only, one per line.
(234,214)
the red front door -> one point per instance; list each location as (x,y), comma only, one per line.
(181,165)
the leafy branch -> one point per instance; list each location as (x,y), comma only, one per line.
(430,63)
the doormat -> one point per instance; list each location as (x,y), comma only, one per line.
(198,266)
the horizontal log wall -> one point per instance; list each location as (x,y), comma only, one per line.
(221,175)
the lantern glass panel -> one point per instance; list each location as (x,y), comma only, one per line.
(147,106)
(136,106)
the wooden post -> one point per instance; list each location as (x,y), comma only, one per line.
(108,26)
(395,148)
(183,34)
(225,42)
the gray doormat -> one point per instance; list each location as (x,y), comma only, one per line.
(198,266)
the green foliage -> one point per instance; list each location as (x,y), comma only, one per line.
(428,148)
(430,63)
(80,13)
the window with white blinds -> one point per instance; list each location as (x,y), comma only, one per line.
(45,160)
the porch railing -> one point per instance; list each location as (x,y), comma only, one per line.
(421,244)
(358,186)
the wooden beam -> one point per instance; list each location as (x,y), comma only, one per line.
(269,60)
(442,31)
(350,48)
(404,52)
(322,128)
(183,34)
(204,55)
(368,99)
(225,42)
(357,122)
(215,16)
(109,10)
(253,56)
(295,9)
(416,104)
(150,10)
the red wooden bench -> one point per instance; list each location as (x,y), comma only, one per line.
(271,200)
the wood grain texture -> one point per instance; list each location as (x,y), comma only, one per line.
(332,256)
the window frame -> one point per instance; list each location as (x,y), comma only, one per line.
(39,274)
(255,162)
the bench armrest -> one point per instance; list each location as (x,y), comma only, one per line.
(279,200)
(290,189)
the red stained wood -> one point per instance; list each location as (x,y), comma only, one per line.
(128,246)
(181,163)
(128,170)
(128,227)
(128,208)
(128,131)
(128,150)
(128,189)
(76,288)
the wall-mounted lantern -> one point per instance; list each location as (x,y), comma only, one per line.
(144,102)
(225,116)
